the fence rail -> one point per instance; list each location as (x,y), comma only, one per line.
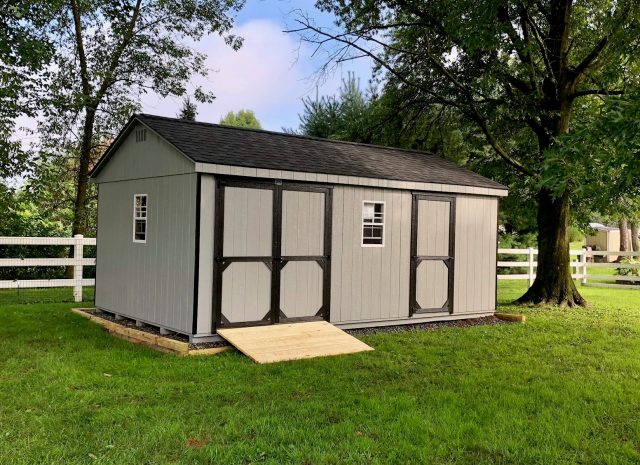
(584,260)
(78,262)
(581,263)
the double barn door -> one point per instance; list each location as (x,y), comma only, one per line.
(272,252)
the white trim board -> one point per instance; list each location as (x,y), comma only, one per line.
(210,168)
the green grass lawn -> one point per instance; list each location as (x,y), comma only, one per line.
(562,388)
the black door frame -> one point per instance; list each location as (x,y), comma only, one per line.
(275,262)
(414,307)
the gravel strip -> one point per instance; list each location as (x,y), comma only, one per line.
(209,345)
(431,326)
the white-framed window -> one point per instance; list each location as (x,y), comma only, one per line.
(373,223)
(140,218)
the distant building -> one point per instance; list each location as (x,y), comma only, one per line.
(604,238)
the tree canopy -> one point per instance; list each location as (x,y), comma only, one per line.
(99,58)
(242,119)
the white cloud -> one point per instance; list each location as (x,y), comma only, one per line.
(270,75)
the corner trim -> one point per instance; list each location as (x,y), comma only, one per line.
(196,273)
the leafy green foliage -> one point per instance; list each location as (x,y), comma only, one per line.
(25,52)
(102,57)
(25,214)
(634,271)
(598,159)
(189,110)
(242,119)
(575,235)
(349,116)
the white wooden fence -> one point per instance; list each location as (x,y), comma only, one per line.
(78,262)
(581,262)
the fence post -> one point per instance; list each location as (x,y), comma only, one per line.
(584,266)
(531,275)
(78,251)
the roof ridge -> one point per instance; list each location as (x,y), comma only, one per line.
(300,136)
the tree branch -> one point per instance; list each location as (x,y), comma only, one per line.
(343,38)
(592,56)
(115,58)
(82,57)
(582,93)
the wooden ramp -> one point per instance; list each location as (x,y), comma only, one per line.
(294,341)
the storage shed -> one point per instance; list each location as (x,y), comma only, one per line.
(202,226)
(604,238)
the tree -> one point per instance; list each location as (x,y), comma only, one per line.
(623,225)
(523,68)
(105,56)
(25,52)
(635,240)
(189,110)
(241,119)
(349,116)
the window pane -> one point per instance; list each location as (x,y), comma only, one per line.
(140,230)
(372,223)
(367,212)
(367,241)
(372,234)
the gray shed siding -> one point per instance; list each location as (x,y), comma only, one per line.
(150,281)
(150,158)
(475,258)
(369,283)
(372,283)
(206,254)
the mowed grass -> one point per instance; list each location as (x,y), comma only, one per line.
(562,388)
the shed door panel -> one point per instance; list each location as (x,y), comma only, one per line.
(302,280)
(244,258)
(248,220)
(432,251)
(302,223)
(433,228)
(246,292)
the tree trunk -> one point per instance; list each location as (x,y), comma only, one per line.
(624,237)
(553,284)
(82,181)
(82,176)
(635,242)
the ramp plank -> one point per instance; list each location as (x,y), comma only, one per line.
(292,341)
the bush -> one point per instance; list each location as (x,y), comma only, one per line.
(575,235)
(517,241)
(635,271)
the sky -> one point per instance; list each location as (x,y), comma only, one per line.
(270,74)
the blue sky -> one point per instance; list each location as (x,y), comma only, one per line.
(270,74)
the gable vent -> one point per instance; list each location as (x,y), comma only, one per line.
(141,135)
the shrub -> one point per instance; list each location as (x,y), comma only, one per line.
(575,235)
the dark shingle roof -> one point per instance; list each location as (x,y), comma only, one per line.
(226,145)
